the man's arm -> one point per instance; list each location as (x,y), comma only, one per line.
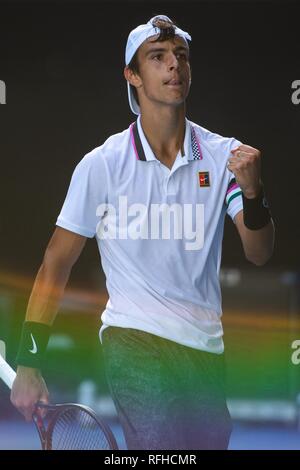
(254,224)
(62,252)
(258,244)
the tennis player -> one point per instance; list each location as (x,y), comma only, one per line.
(155,198)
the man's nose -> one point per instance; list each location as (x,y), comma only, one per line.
(173,62)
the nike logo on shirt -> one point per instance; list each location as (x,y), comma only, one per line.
(34,349)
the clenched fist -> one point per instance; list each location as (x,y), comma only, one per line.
(245,164)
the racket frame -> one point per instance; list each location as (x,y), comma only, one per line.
(57,409)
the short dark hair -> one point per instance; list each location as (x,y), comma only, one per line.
(166,31)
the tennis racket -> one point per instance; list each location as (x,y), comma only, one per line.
(67,426)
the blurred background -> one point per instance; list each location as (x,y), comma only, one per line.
(62,64)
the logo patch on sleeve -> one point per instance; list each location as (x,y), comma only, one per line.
(204,181)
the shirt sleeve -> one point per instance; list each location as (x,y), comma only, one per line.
(87,191)
(233,198)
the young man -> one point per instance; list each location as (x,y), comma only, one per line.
(155,196)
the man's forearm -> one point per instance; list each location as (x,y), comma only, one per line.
(41,311)
(47,292)
(62,252)
(258,244)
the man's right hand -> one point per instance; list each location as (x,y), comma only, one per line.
(28,388)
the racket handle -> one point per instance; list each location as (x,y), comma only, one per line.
(7,374)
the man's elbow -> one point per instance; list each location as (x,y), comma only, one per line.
(259,259)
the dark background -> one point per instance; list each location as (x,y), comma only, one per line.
(63,67)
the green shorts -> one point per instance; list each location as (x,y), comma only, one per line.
(168,396)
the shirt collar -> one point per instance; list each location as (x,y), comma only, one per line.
(143,151)
(149,155)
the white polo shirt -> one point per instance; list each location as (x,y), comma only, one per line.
(159,231)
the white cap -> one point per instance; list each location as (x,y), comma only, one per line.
(136,37)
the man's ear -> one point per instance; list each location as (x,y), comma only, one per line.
(132,77)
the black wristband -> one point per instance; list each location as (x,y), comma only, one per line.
(33,344)
(256,211)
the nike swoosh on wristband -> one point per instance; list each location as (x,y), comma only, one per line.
(34,349)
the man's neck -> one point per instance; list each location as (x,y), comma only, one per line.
(165,132)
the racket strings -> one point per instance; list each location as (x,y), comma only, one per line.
(70,432)
(76,429)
